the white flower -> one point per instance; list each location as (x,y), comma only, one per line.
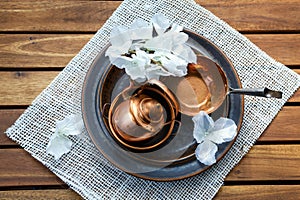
(152,50)
(59,142)
(209,133)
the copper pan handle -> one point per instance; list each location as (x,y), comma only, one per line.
(261,92)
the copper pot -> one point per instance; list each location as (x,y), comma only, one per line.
(143,117)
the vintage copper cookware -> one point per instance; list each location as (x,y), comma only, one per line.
(205,87)
(143,117)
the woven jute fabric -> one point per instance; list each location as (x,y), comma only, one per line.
(84,168)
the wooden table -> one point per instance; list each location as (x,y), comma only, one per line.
(38,38)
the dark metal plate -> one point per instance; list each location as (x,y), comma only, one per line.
(175,159)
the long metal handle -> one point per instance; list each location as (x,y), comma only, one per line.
(261,92)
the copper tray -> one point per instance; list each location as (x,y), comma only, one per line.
(175,159)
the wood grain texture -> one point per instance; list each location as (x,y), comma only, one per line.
(245,192)
(8,117)
(39,50)
(54,194)
(257,15)
(57,16)
(268,162)
(20,169)
(285,127)
(261,192)
(296,96)
(82,16)
(263,162)
(23,86)
(284,48)
(56,50)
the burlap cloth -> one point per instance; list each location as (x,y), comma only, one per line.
(87,172)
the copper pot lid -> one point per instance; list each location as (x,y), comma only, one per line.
(142,117)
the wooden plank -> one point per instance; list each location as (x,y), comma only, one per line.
(29,15)
(257,15)
(284,48)
(285,126)
(268,162)
(56,50)
(39,50)
(20,169)
(23,86)
(57,194)
(288,118)
(55,16)
(245,192)
(262,192)
(296,96)
(263,162)
(8,117)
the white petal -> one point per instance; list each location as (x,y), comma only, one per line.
(160,43)
(122,61)
(203,120)
(176,28)
(178,38)
(143,56)
(135,72)
(160,23)
(202,123)
(141,33)
(136,68)
(139,23)
(70,125)
(117,30)
(166,41)
(137,44)
(173,64)
(185,52)
(205,152)
(224,130)
(58,145)
(119,35)
(140,80)
(155,71)
(140,29)
(113,52)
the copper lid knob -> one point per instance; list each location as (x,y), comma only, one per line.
(148,113)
